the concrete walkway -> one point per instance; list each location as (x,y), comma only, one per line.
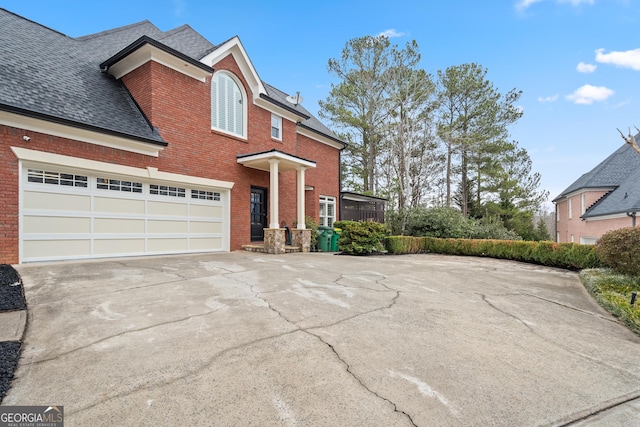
(319,339)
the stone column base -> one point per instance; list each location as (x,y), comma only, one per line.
(274,240)
(301,238)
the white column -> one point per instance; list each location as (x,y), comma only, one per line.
(273,193)
(300,190)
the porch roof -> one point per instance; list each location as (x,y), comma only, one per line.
(285,161)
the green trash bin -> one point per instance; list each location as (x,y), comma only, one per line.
(324,238)
(334,239)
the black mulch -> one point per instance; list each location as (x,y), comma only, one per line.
(11,299)
(11,291)
(9,355)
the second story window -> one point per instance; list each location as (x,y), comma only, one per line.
(276,127)
(227,105)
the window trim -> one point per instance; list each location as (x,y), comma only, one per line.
(324,219)
(278,127)
(243,99)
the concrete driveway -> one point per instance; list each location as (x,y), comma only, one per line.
(319,339)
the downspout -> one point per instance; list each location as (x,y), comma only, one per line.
(633,218)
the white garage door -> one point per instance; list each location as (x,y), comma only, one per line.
(71,215)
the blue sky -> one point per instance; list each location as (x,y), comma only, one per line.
(577,62)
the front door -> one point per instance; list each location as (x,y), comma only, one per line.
(258,213)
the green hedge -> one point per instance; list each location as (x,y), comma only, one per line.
(620,250)
(361,237)
(562,255)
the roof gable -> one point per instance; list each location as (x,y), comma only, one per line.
(234,47)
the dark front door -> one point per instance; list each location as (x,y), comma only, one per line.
(258,213)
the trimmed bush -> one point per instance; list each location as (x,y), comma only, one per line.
(361,237)
(620,250)
(563,255)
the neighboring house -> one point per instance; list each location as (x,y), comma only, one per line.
(137,141)
(604,199)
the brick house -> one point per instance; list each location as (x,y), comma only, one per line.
(604,199)
(135,141)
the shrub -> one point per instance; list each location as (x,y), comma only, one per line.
(562,255)
(620,250)
(361,238)
(438,222)
(613,292)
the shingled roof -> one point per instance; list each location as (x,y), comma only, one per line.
(619,173)
(48,75)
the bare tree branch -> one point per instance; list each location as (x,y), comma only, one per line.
(631,140)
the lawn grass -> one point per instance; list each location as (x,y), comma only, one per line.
(613,292)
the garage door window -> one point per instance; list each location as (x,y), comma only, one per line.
(205,195)
(118,185)
(163,190)
(56,178)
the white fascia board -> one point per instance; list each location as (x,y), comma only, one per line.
(275,109)
(148,53)
(605,217)
(319,137)
(78,134)
(150,173)
(235,48)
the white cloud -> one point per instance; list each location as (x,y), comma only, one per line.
(626,59)
(577,2)
(586,68)
(391,33)
(589,94)
(524,4)
(552,98)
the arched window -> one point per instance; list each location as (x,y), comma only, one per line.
(227,105)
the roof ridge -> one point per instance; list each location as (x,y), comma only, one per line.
(116,30)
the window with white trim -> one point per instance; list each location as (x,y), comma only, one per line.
(276,127)
(56,178)
(327,211)
(570,209)
(118,185)
(583,206)
(205,195)
(164,190)
(227,105)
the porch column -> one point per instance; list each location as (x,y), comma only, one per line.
(273,193)
(300,191)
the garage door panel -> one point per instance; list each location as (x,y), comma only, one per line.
(38,224)
(54,201)
(118,225)
(167,209)
(162,226)
(202,227)
(116,205)
(205,211)
(203,244)
(167,245)
(51,249)
(118,246)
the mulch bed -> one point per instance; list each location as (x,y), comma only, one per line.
(11,299)
(9,355)
(11,291)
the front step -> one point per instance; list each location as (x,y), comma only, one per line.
(259,247)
